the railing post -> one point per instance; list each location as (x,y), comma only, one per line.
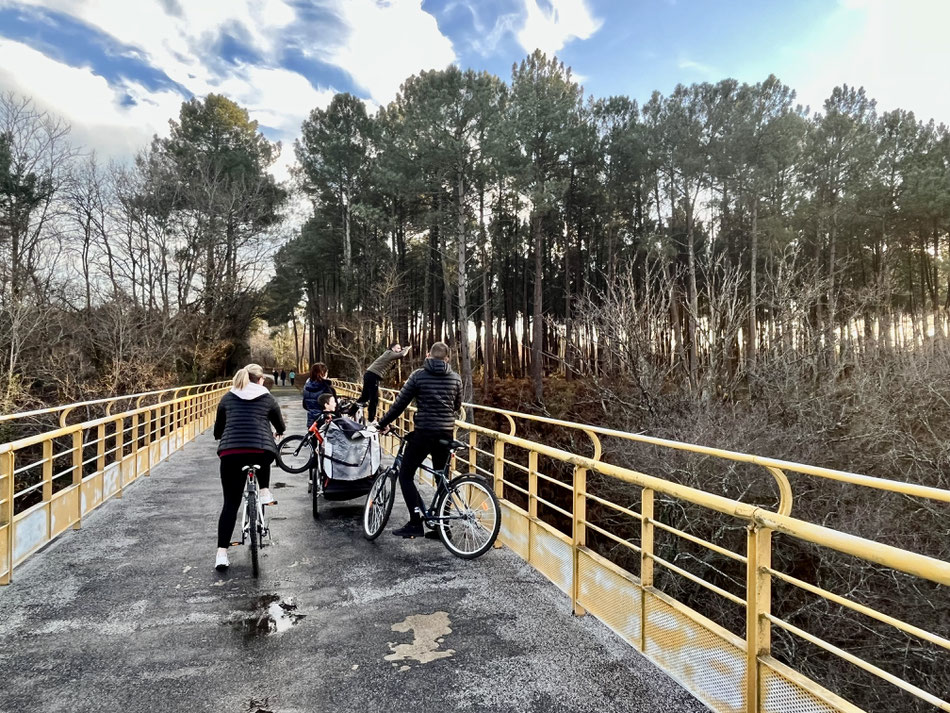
(100,454)
(533,484)
(48,483)
(6,518)
(472,453)
(646,559)
(758,604)
(77,474)
(499,470)
(532,500)
(119,455)
(147,439)
(579,531)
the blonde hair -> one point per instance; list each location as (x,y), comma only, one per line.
(243,376)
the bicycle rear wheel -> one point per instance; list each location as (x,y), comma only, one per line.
(255,535)
(469,517)
(295,454)
(379,504)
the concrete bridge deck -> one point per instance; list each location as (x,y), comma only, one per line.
(128,615)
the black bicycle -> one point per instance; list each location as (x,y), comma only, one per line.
(296,454)
(464,510)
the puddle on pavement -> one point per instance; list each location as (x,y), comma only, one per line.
(271,614)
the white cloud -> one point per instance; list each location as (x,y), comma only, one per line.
(387,41)
(897,51)
(87,101)
(692,65)
(550,29)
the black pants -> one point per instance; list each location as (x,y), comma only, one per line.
(370,394)
(233,480)
(421,444)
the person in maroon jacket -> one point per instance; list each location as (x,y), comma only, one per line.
(243,427)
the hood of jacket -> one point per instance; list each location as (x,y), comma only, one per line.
(436,366)
(321,385)
(250,392)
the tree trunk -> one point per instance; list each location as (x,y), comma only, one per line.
(537,366)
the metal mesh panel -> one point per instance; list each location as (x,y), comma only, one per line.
(551,556)
(609,596)
(514,530)
(781,694)
(704,662)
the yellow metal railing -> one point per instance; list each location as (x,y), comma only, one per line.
(729,672)
(66,473)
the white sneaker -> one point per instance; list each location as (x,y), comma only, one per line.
(266,497)
(221,562)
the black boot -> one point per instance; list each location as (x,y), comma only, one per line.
(413,528)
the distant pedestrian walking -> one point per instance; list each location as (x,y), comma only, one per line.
(375,373)
(276,377)
(291,376)
(283,378)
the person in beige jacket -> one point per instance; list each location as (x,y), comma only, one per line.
(375,373)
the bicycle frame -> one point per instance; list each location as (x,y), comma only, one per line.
(440,476)
(252,487)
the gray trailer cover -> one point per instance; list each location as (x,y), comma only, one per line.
(350,452)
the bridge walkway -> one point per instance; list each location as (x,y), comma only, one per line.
(127,614)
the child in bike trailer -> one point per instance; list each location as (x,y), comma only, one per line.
(437,391)
(243,426)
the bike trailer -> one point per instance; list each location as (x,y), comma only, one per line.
(350,452)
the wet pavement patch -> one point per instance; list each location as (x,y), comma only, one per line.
(429,632)
(281,485)
(270,614)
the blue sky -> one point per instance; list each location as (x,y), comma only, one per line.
(117,70)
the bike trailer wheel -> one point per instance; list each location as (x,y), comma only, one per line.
(379,504)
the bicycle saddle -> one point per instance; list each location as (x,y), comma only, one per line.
(453,445)
(248,467)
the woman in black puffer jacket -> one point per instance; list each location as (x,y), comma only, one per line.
(243,427)
(317,384)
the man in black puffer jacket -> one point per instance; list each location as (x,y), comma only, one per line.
(438,394)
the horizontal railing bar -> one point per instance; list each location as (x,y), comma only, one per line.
(615,538)
(614,506)
(698,580)
(81,404)
(524,491)
(87,425)
(902,560)
(860,663)
(861,609)
(896,486)
(699,541)
(28,490)
(29,466)
(549,479)
(553,507)
(517,466)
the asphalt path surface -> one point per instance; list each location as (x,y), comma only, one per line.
(128,614)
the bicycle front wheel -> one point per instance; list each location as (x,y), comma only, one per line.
(253,523)
(469,517)
(379,504)
(295,454)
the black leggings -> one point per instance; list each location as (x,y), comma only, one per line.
(370,394)
(419,445)
(233,481)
